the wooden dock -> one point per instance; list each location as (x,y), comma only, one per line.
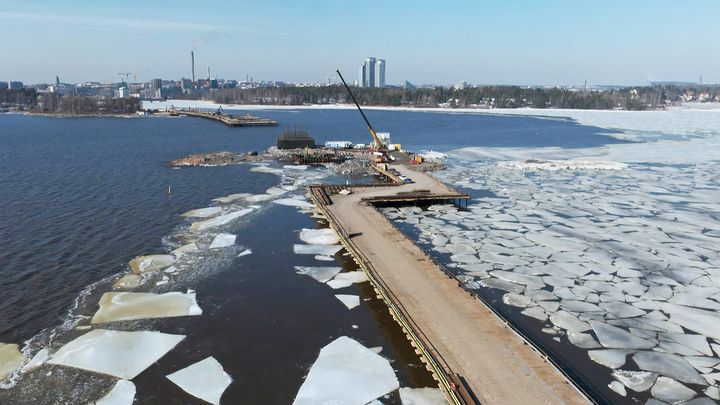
(475,355)
(246,120)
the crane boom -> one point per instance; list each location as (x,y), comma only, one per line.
(376,140)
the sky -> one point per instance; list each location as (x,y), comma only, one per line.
(440,42)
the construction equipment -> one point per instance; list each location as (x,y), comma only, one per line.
(376,143)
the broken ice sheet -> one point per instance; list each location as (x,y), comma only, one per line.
(245,253)
(422,396)
(117,353)
(612,358)
(123,306)
(347,279)
(38,360)
(321,274)
(10,359)
(350,301)
(347,372)
(616,338)
(205,379)
(667,389)
(123,393)
(637,381)
(326,236)
(324,250)
(223,240)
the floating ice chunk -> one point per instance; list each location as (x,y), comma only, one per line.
(325,250)
(223,240)
(267,169)
(10,359)
(466,259)
(129,280)
(321,274)
(296,167)
(205,379)
(460,249)
(579,306)
(231,198)
(187,248)
(422,396)
(533,281)
(556,242)
(150,263)
(38,360)
(347,279)
(259,198)
(670,365)
(637,381)
(612,358)
(350,301)
(698,320)
(346,372)
(325,236)
(535,312)
(713,392)
(583,340)
(669,390)
(123,393)
(117,353)
(698,343)
(324,258)
(203,212)
(615,338)
(220,220)
(516,300)
(502,285)
(618,388)
(566,321)
(245,253)
(275,191)
(123,306)
(294,202)
(621,309)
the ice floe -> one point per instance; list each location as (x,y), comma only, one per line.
(347,372)
(324,250)
(205,379)
(637,381)
(613,358)
(10,359)
(350,301)
(615,338)
(245,253)
(122,306)
(150,263)
(669,365)
(325,236)
(232,198)
(37,360)
(220,220)
(203,212)
(669,390)
(347,279)
(321,274)
(122,393)
(294,202)
(117,353)
(422,396)
(223,240)
(128,281)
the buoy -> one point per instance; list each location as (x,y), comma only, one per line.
(169,190)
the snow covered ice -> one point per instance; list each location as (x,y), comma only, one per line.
(422,396)
(347,372)
(324,250)
(117,353)
(326,236)
(350,301)
(223,240)
(205,379)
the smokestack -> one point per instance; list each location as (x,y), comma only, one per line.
(208,73)
(192,62)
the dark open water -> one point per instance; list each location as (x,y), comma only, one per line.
(80,197)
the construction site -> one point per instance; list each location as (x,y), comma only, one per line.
(474,354)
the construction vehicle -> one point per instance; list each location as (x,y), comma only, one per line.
(377,146)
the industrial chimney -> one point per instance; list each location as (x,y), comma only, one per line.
(192,62)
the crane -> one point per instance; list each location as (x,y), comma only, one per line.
(124,74)
(376,143)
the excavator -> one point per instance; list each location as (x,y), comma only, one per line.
(379,149)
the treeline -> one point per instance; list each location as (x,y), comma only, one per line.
(629,98)
(32,101)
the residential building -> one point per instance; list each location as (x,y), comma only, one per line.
(380,73)
(16,85)
(372,73)
(3,85)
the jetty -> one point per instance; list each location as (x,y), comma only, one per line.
(474,354)
(230,120)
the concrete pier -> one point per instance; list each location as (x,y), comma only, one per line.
(227,119)
(475,356)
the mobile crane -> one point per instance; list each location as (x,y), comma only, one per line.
(377,146)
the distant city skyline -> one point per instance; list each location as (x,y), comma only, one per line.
(525,43)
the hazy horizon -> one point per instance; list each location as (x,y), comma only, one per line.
(558,43)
